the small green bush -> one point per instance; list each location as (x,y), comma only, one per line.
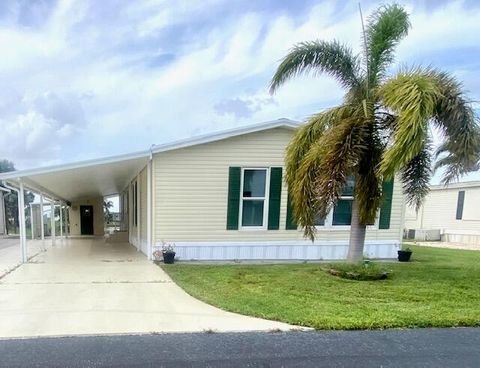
(362,271)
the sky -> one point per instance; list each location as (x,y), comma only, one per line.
(86,79)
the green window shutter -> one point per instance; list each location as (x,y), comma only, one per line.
(275,194)
(291,224)
(460,201)
(386,208)
(233,205)
(342,213)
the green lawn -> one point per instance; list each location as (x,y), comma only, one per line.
(440,287)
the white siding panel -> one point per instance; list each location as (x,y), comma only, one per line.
(440,208)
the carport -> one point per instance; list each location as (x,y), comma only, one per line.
(67,185)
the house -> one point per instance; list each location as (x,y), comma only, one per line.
(219,196)
(449,213)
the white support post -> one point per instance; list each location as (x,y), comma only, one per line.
(42,230)
(31,222)
(21,220)
(61,220)
(67,219)
(149,209)
(138,186)
(52,221)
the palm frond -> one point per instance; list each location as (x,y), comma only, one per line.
(318,57)
(455,116)
(416,177)
(323,171)
(308,134)
(412,95)
(387,26)
(301,172)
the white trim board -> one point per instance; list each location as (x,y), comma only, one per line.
(280,250)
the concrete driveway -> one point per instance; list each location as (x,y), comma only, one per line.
(87,286)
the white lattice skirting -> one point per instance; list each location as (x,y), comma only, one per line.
(279,250)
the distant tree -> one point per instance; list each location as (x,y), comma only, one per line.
(6,166)
(11,199)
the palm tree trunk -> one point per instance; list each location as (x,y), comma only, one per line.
(357,237)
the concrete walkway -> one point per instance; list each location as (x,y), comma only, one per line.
(87,286)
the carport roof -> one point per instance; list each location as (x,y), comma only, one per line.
(110,175)
(86,179)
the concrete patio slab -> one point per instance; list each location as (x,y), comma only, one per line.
(87,286)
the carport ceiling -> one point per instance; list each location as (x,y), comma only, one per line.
(83,179)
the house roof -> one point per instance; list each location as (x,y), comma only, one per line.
(110,175)
(459,185)
(224,134)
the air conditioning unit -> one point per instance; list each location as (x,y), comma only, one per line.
(423,235)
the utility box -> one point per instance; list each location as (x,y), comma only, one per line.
(423,235)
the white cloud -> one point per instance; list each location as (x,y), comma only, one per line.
(81,79)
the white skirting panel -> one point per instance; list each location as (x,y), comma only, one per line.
(472,239)
(279,250)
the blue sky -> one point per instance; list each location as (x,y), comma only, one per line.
(83,79)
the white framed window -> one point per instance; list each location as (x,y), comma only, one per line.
(342,211)
(254,198)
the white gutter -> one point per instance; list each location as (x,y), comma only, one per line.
(149,205)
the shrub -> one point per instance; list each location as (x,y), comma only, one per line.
(362,271)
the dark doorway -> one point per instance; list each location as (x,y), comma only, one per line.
(86,220)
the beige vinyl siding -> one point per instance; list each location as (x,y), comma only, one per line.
(191,185)
(440,208)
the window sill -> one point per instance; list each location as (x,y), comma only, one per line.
(342,228)
(253,228)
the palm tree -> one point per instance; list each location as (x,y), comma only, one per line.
(380,129)
(106,210)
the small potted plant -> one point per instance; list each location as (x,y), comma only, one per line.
(168,251)
(404,254)
(157,256)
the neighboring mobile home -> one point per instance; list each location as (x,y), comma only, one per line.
(220,196)
(450,213)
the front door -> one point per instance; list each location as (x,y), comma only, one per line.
(86,220)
